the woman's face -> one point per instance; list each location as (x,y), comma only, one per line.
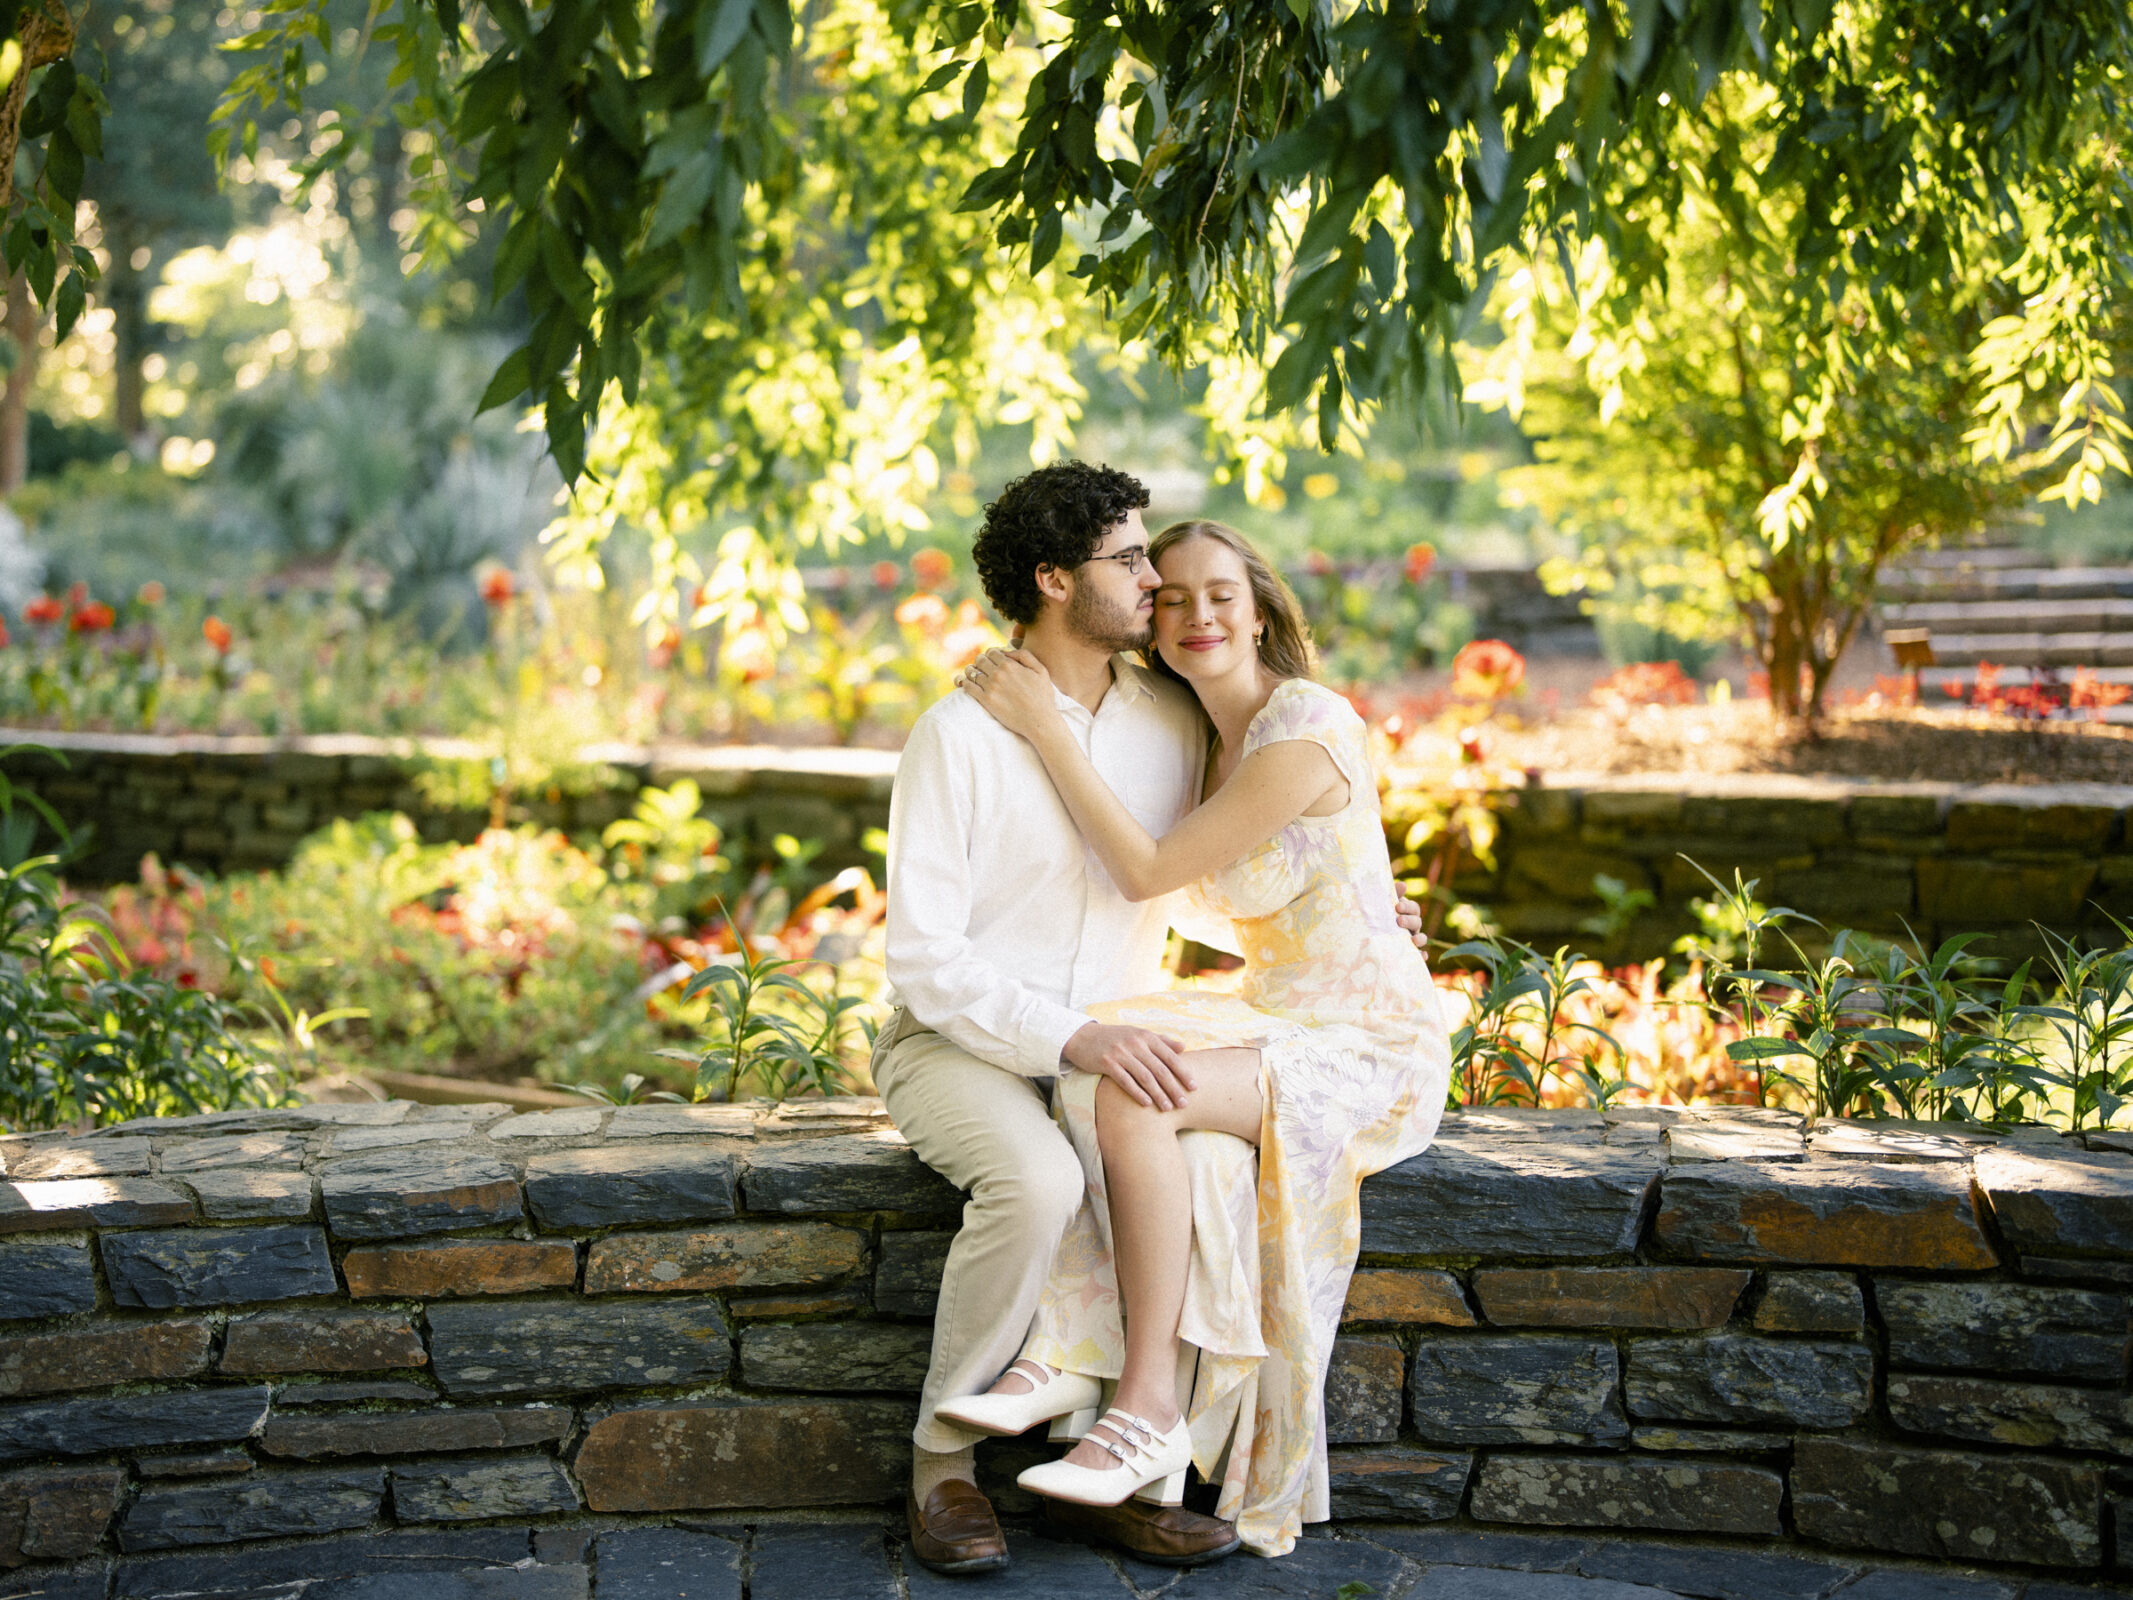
(1205,620)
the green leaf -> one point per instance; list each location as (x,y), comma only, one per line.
(683,196)
(73,297)
(1044,243)
(63,166)
(941,77)
(974,88)
(719,26)
(507,384)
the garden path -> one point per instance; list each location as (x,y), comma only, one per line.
(858,1558)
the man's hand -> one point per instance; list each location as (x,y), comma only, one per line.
(1148,1066)
(1410,917)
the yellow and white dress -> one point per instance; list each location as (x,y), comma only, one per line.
(1354,1065)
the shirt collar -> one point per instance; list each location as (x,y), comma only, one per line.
(1127,688)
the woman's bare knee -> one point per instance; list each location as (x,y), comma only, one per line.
(1118,1114)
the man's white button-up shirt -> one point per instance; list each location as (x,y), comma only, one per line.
(1002,922)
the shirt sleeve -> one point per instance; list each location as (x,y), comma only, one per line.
(936,971)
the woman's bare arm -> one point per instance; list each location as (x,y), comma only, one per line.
(1271,788)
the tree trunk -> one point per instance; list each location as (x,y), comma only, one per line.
(126,292)
(24,319)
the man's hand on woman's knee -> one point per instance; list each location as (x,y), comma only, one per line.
(1146,1065)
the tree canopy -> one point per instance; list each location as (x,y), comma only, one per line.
(769,259)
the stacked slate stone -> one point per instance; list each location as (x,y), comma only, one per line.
(1878,1336)
(264,1324)
(1881,1337)
(245,804)
(1930,859)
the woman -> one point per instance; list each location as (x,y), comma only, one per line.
(1334,1063)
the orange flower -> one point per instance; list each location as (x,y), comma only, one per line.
(497,588)
(150,593)
(932,567)
(217,633)
(926,612)
(94,617)
(749,652)
(886,574)
(44,609)
(972,637)
(1317,563)
(2087,694)
(1487,668)
(1421,559)
(1644,683)
(699,597)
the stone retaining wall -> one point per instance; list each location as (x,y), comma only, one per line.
(1939,858)
(1936,858)
(237,804)
(1878,1338)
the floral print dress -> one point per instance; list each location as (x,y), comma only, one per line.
(1354,1065)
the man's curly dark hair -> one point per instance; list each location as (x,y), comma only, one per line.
(1053,517)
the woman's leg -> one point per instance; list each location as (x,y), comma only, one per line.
(1151,1221)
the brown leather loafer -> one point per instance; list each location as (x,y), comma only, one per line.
(1169,1536)
(956,1531)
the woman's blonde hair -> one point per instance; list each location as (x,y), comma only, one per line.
(1285,649)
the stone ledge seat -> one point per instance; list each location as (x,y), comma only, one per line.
(1841,1342)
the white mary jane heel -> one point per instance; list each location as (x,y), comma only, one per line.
(1067,1400)
(1151,1467)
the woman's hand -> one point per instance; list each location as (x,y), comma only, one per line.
(1015,688)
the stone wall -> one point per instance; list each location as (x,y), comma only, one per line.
(1939,858)
(1873,1338)
(233,804)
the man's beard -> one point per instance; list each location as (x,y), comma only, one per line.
(1093,619)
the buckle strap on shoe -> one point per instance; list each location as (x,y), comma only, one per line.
(1126,1425)
(1038,1374)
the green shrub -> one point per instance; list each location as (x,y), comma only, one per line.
(85,1035)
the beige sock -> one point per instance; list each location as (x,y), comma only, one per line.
(932,1468)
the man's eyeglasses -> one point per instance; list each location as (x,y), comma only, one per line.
(1133,555)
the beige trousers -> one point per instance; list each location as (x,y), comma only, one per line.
(990,1132)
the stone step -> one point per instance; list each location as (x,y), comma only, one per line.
(2013,583)
(1973,557)
(2103,614)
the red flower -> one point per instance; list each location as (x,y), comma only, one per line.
(1488,668)
(1421,559)
(217,633)
(42,610)
(149,594)
(886,574)
(3,636)
(1317,563)
(94,617)
(497,588)
(1644,683)
(932,567)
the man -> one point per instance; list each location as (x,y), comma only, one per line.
(1002,925)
